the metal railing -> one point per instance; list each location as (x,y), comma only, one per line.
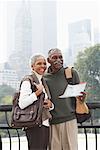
(84,128)
(6,127)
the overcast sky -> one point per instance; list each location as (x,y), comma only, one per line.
(74,10)
(67,11)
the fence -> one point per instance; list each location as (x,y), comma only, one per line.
(85,129)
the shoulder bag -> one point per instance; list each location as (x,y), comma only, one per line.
(30,116)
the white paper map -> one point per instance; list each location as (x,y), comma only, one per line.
(74,90)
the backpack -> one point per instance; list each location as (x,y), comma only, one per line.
(82,110)
(31,115)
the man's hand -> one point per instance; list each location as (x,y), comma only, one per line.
(82,97)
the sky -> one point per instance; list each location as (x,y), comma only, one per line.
(67,11)
(74,10)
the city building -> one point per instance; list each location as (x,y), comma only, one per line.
(8,76)
(23,40)
(44,26)
(80,37)
(96,36)
(35,32)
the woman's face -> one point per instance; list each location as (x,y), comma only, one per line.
(40,65)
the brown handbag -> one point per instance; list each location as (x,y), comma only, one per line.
(82,110)
(30,116)
(81,107)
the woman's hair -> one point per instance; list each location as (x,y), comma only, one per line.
(34,58)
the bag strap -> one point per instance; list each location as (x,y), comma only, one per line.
(31,78)
(68,72)
(46,88)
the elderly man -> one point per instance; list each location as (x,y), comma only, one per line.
(63,123)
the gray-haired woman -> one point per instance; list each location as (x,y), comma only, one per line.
(38,137)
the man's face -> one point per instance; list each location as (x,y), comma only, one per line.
(56,60)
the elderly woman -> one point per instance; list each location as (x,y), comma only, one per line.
(38,137)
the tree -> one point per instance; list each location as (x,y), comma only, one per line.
(7,100)
(5,90)
(6,93)
(88,66)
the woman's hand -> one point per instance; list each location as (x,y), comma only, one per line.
(47,103)
(39,89)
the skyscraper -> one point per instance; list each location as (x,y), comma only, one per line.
(23,30)
(80,37)
(19,59)
(49,25)
(44,23)
(35,32)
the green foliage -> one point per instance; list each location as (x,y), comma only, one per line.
(6,93)
(7,100)
(6,90)
(88,66)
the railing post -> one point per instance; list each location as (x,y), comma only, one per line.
(0,143)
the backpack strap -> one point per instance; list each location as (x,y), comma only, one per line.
(68,72)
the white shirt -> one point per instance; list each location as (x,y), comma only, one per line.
(27,97)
